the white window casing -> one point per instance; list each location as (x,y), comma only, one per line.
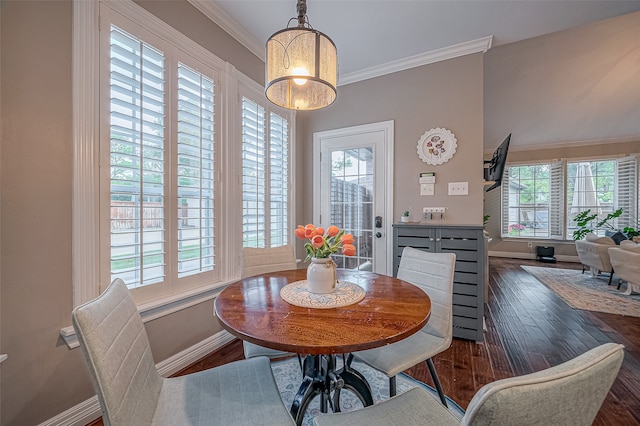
(625,195)
(91,211)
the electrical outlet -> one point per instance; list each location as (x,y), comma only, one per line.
(458,188)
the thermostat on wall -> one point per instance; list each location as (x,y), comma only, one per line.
(428,177)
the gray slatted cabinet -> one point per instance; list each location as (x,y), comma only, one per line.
(467,242)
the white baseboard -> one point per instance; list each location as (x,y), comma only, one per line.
(514,255)
(89,410)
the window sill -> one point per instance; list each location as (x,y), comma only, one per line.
(159,308)
(537,240)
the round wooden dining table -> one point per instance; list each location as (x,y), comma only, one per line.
(252,309)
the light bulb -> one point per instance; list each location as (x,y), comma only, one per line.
(300,71)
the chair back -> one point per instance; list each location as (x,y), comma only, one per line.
(567,394)
(116,348)
(264,260)
(433,272)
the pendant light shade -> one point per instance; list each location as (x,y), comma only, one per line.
(301,66)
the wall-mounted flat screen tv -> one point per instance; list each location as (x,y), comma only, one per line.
(494,168)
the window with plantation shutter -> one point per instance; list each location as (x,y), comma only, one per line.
(137,160)
(599,185)
(526,201)
(504,201)
(253,174)
(265,176)
(169,168)
(279,180)
(161,185)
(627,191)
(195,172)
(556,201)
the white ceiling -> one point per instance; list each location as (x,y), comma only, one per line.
(375,37)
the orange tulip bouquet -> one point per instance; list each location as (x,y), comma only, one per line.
(322,245)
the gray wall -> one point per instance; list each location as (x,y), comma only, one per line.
(42,377)
(577,85)
(572,86)
(446,94)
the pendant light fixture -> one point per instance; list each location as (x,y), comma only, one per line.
(301,66)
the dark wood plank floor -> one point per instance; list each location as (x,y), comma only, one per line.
(529,328)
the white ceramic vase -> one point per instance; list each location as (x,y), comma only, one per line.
(321,276)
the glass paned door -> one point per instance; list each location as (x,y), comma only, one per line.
(354,191)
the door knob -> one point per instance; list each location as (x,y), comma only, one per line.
(378,234)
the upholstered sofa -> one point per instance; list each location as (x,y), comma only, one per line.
(593,253)
(625,260)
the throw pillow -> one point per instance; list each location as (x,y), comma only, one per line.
(591,237)
(618,237)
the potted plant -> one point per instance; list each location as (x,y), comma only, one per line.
(632,233)
(405,216)
(585,218)
(485,219)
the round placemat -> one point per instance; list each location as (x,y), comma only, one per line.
(345,294)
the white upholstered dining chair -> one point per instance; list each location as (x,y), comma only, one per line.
(262,261)
(433,272)
(131,391)
(567,394)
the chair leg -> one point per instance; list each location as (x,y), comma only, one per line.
(436,381)
(392,386)
(583,269)
(610,276)
(620,282)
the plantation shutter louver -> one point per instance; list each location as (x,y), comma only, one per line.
(557,201)
(137,160)
(195,172)
(627,191)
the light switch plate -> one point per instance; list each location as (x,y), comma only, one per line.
(427,189)
(458,188)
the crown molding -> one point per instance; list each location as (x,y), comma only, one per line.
(230,25)
(461,49)
(566,144)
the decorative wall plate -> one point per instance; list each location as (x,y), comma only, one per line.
(437,146)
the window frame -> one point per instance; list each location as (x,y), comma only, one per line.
(506,207)
(257,97)
(558,194)
(86,268)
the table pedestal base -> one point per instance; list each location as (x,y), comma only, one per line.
(321,378)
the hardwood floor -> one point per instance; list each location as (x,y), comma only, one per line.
(529,328)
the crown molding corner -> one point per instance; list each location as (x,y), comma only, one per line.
(230,25)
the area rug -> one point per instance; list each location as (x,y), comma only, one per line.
(584,291)
(289,377)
